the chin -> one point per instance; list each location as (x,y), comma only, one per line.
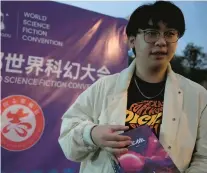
(159,65)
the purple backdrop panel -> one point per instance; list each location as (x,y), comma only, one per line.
(51,52)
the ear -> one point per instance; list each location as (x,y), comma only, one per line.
(131,41)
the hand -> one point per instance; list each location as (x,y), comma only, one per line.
(105,137)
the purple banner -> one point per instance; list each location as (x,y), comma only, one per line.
(51,52)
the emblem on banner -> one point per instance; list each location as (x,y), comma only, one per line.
(2,21)
(22,123)
(2,24)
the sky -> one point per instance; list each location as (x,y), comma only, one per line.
(195,13)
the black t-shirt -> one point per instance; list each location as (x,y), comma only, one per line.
(142,110)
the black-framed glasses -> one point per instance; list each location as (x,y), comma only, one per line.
(152,35)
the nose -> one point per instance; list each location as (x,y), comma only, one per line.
(161,42)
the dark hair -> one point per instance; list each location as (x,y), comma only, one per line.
(163,11)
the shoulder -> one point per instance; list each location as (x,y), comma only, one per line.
(106,83)
(189,84)
(193,90)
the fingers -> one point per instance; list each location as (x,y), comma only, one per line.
(116,137)
(115,144)
(117,151)
(119,128)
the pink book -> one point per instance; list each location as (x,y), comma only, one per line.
(145,155)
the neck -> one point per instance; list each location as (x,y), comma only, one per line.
(151,75)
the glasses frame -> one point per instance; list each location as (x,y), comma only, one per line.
(164,33)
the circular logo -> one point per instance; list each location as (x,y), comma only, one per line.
(22,122)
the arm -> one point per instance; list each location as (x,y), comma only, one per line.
(199,159)
(77,123)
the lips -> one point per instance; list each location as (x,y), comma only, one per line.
(159,53)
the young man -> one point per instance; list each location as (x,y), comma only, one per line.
(149,93)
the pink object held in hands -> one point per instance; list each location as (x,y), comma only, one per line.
(132,161)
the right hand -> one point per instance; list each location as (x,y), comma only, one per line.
(105,137)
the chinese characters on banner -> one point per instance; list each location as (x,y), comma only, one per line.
(17,63)
(50,53)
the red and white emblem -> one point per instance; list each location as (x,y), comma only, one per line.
(22,122)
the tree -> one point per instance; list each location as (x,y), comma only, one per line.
(178,66)
(194,56)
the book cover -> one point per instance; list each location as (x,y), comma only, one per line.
(145,155)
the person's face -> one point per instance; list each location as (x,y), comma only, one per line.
(153,54)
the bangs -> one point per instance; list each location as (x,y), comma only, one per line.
(167,16)
(148,17)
